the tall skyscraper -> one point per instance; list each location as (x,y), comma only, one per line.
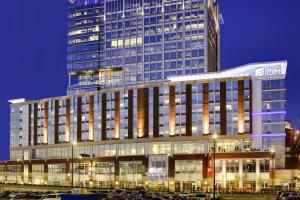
(115,43)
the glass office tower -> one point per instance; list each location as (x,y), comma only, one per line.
(114,43)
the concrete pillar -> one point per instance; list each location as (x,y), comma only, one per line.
(241,174)
(241,145)
(26,173)
(206,150)
(272,174)
(45,173)
(224,174)
(257,186)
(181,185)
(256,119)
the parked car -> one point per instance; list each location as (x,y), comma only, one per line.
(52,197)
(211,196)
(184,196)
(292,198)
(157,198)
(199,196)
(4,194)
(292,195)
(120,192)
(157,194)
(283,195)
(14,195)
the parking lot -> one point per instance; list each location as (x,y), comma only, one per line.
(122,194)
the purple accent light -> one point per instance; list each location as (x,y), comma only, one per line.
(268,113)
(269,135)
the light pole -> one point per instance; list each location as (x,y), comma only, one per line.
(72,175)
(215,136)
(17,165)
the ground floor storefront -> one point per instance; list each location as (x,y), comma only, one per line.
(249,171)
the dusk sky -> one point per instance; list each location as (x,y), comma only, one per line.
(33,48)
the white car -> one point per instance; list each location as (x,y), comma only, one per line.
(16,195)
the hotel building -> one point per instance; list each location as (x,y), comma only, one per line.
(157,134)
(145,96)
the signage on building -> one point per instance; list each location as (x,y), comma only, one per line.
(270,72)
(153,170)
(156,173)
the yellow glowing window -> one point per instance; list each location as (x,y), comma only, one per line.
(127,43)
(120,43)
(114,43)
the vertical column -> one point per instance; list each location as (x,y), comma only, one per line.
(29,125)
(117,168)
(205,167)
(272,170)
(67,127)
(171,167)
(68,173)
(35,124)
(155,111)
(223,120)
(79,118)
(172,110)
(188,107)
(143,113)
(250,102)
(256,108)
(117,115)
(145,163)
(241,174)
(46,106)
(56,122)
(30,173)
(205,120)
(241,145)
(257,180)
(241,107)
(91,117)
(130,114)
(45,176)
(224,174)
(103,117)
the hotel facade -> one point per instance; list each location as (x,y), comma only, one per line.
(158,134)
(142,108)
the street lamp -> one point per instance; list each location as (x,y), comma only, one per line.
(74,143)
(215,136)
(17,165)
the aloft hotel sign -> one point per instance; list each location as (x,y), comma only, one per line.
(270,72)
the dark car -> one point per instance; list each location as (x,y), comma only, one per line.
(120,192)
(142,192)
(281,194)
(147,197)
(4,194)
(157,198)
(292,198)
